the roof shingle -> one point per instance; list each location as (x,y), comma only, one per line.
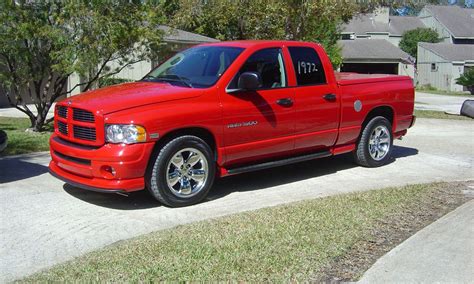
(451,52)
(177,35)
(371,49)
(459,21)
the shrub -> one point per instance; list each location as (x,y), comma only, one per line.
(467,80)
(411,38)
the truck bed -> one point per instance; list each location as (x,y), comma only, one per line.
(346,78)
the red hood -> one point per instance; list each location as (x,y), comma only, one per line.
(130,95)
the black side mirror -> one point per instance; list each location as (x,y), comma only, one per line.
(249,81)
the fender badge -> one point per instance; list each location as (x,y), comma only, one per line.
(357,106)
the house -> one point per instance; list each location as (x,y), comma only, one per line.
(440,64)
(453,23)
(372,56)
(370,43)
(380,25)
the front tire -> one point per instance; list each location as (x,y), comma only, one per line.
(375,145)
(183,172)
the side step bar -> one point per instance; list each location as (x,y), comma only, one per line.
(278,163)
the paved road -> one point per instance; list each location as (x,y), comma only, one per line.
(443,252)
(44,222)
(449,104)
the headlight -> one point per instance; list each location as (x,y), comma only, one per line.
(125,133)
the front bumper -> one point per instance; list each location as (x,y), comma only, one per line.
(109,168)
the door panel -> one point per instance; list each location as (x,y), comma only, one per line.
(259,124)
(255,126)
(316,101)
(317,118)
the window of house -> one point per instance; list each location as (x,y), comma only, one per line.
(308,67)
(434,67)
(268,63)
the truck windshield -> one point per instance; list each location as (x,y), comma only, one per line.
(196,67)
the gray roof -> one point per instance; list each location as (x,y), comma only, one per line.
(396,26)
(375,49)
(364,23)
(451,52)
(459,21)
(180,36)
(400,24)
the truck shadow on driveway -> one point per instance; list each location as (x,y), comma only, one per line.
(15,169)
(239,183)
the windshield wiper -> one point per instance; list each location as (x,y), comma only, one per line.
(169,78)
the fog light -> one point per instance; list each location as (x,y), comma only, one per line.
(107,172)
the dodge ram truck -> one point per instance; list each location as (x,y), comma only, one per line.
(222,109)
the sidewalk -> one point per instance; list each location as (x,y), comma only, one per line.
(443,252)
(13,112)
(449,104)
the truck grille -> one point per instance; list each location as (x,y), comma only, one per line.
(84,133)
(83,115)
(62,127)
(62,111)
(79,125)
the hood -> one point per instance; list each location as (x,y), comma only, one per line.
(129,95)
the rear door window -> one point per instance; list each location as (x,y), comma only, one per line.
(308,67)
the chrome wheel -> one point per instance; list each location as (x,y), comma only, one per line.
(379,142)
(187,172)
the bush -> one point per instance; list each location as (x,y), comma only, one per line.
(467,80)
(411,38)
(109,81)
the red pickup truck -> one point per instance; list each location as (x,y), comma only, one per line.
(221,109)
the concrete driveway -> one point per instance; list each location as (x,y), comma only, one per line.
(449,104)
(44,222)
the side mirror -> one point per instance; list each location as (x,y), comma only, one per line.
(249,81)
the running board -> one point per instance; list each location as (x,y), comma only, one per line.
(278,163)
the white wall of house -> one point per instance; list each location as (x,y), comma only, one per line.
(427,18)
(406,70)
(438,72)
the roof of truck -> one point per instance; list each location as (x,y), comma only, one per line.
(254,43)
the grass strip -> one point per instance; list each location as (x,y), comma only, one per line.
(438,115)
(293,242)
(20,141)
(442,92)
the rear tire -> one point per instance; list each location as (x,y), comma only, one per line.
(182,173)
(374,147)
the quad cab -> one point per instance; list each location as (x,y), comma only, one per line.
(222,109)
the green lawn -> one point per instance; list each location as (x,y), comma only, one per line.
(19,141)
(438,115)
(279,244)
(441,92)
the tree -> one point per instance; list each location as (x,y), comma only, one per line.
(467,80)
(264,19)
(411,38)
(42,43)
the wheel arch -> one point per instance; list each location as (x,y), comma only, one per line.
(205,134)
(384,111)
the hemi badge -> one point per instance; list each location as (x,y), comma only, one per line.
(154,135)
